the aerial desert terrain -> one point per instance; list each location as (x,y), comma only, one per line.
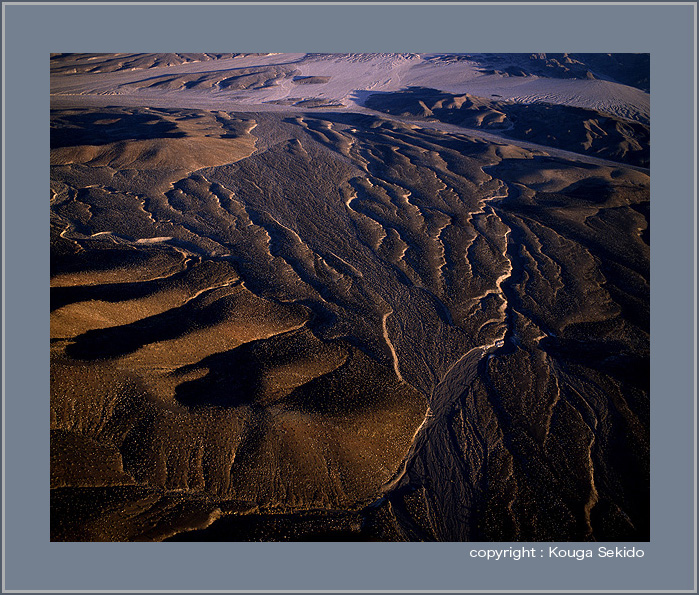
(350,297)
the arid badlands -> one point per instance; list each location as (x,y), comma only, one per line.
(350,297)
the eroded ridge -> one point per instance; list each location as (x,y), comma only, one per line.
(341,326)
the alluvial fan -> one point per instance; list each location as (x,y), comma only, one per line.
(342,326)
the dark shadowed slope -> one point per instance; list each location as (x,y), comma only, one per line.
(574,129)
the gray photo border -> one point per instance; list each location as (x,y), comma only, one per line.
(30,562)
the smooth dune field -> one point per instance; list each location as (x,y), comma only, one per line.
(344,316)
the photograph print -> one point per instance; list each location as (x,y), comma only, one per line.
(350,297)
